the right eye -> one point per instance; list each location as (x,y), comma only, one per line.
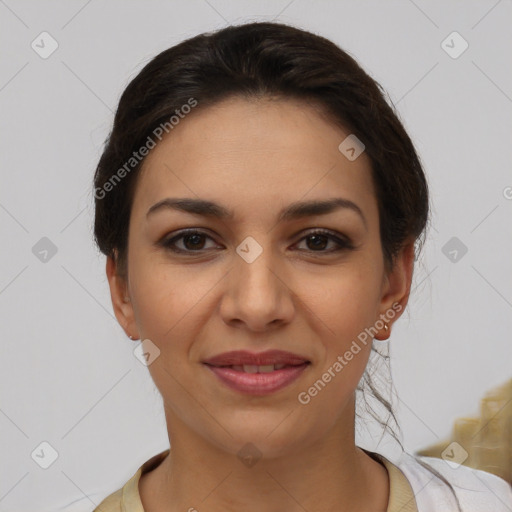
(193,241)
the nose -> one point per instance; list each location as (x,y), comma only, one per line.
(258,294)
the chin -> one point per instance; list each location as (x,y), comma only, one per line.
(266,437)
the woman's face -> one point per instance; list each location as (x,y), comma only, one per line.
(256,281)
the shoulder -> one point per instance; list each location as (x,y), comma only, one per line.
(111,503)
(128,497)
(476,490)
(124,499)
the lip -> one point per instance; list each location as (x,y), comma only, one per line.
(257,383)
(244,357)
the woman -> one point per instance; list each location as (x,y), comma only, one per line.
(261,206)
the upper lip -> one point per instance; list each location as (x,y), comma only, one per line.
(244,357)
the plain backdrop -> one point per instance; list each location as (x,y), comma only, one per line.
(68,374)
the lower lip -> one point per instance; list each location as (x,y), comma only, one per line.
(258,383)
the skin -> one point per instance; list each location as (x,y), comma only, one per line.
(256,157)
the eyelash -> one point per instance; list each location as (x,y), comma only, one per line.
(343,244)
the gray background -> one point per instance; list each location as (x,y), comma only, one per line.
(68,373)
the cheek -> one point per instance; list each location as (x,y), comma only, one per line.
(166,305)
(172,305)
(166,298)
(345,301)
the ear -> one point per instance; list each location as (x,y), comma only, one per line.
(119,294)
(396,288)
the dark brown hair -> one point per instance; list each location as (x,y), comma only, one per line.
(265,60)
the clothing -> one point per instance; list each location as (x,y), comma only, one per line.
(413,488)
(476,490)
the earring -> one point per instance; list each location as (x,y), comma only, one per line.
(131,337)
(386,333)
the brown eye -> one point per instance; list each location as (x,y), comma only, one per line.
(192,241)
(317,241)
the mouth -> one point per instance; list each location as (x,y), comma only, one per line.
(257,374)
(252,368)
(268,358)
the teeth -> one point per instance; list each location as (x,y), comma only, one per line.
(252,368)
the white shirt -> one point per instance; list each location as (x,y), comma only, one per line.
(477,490)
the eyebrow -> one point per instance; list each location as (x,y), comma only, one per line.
(293,211)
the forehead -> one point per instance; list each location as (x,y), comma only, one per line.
(255,154)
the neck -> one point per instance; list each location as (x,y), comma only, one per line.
(331,474)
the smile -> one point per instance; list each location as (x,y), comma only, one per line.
(258,379)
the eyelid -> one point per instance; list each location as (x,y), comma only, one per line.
(165,242)
(342,241)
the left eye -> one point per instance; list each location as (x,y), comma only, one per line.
(320,239)
(193,241)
